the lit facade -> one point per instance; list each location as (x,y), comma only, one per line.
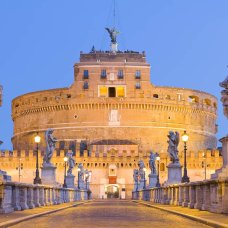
(111,117)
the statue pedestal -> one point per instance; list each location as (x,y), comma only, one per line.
(152,180)
(48,174)
(136,187)
(223,172)
(70,181)
(81,184)
(174,173)
(141,184)
(4,176)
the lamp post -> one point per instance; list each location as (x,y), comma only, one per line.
(185,177)
(158,182)
(37,179)
(65,165)
(78,178)
(144,173)
(86,179)
(205,166)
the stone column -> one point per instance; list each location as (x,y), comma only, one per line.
(181,195)
(31,204)
(16,198)
(192,195)
(6,205)
(206,197)
(222,173)
(36,197)
(23,197)
(41,196)
(199,197)
(176,201)
(186,196)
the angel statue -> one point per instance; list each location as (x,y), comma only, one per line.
(173,142)
(136,179)
(50,142)
(113,34)
(152,162)
(141,170)
(71,163)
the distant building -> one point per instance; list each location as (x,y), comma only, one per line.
(112,116)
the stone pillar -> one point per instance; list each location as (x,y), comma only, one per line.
(70,181)
(222,173)
(16,198)
(206,197)
(181,195)
(41,196)
(48,175)
(199,197)
(31,204)
(174,173)
(186,196)
(36,197)
(192,195)
(23,198)
(6,205)
(176,201)
(152,180)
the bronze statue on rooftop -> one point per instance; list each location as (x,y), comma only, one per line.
(113,34)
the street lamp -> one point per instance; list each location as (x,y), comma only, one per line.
(158,185)
(185,177)
(144,170)
(86,179)
(78,177)
(37,179)
(65,165)
(205,166)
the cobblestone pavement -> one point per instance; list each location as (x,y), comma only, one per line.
(110,213)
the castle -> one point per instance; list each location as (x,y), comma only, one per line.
(111,117)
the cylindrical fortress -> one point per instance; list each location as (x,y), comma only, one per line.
(112,98)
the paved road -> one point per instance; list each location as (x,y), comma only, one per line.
(110,213)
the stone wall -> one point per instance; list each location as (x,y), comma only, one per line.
(16,196)
(100,162)
(208,195)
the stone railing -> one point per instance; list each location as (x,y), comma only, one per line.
(15,196)
(211,195)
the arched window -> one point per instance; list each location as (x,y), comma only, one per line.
(207,101)
(155,95)
(193,99)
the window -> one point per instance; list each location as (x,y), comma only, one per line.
(155,95)
(193,99)
(137,74)
(86,85)
(103,74)
(120,74)
(138,85)
(120,91)
(112,92)
(86,74)
(207,102)
(103,91)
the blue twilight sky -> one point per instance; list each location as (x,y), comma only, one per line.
(186,43)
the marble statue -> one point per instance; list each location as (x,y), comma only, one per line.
(224,98)
(50,142)
(173,142)
(152,162)
(71,163)
(113,34)
(141,171)
(136,179)
(81,173)
(136,175)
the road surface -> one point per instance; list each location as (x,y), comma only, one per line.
(110,213)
